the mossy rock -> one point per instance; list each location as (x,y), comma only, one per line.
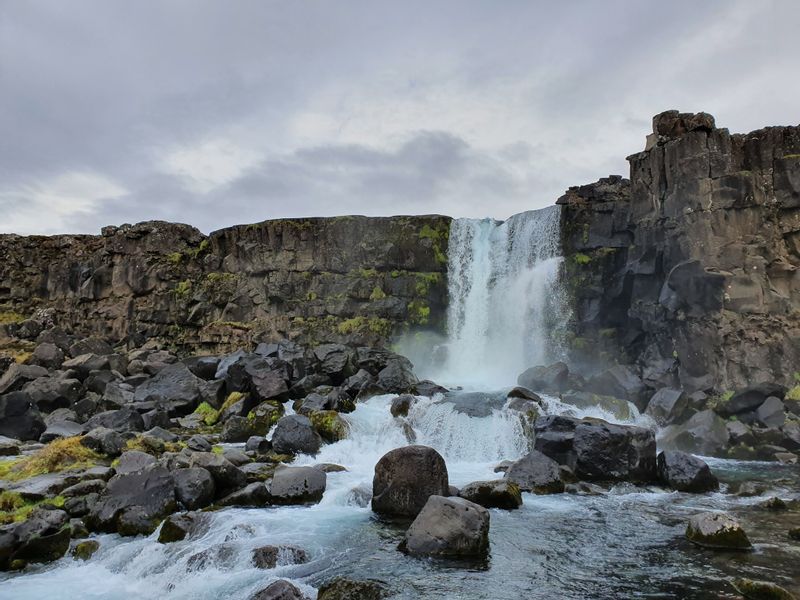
(761,590)
(329,425)
(718,531)
(85,549)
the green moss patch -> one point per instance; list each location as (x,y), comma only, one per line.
(58,455)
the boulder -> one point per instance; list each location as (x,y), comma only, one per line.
(685,473)
(238,429)
(297,485)
(177,527)
(19,418)
(269,557)
(253,494)
(604,451)
(750,398)
(337,361)
(551,379)
(91,345)
(618,407)
(295,434)
(175,387)
(227,476)
(772,413)
(350,589)
(104,440)
(43,537)
(704,433)
(59,430)
(499,493)
(397,377)
(258,444)
(85,549)
(428,388)
(452,527)
(261,378)
(134,460)
(194,487)
(279,590)
(401,405)
(405,478)
(536,473)
(47,355)
(620,381)
(667,405)
(329,425)
(124,420)
(18,375)
(761,590)
(50,393)
(718,531)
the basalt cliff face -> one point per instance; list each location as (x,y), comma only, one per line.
(353,279)
(690,269)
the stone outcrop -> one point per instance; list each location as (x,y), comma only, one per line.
(319,279)
(691,268)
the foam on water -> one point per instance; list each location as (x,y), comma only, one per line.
(505,304)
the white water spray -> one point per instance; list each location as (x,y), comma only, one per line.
(505,302)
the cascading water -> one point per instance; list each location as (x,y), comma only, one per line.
(505,305)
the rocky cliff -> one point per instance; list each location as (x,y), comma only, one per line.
(352,279)
(691,268)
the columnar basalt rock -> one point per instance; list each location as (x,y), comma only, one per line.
(691,268)
(352,279)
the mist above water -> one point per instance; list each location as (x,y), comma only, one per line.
(505,303)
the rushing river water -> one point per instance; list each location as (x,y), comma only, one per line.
(626,543)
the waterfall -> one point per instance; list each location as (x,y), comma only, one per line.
(505,305)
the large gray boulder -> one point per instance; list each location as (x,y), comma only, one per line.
(18,375)
(295,433)
(620,381)
(452,527)
(194,487)
(553,378)
(297,485)
(51,393)
(718,531)
(536,473)
(123,420)
(104,440)
(604,451)
(705,434)
(175,387)
(227,476)
(405,478)
(47,355)
(667,405)
(262,378)
(750,398)
(135,502)
(337,361)
(685,473)
(19,418)
(397,376)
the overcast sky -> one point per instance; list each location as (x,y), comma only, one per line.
(222,112)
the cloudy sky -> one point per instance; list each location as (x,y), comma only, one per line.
(222,112)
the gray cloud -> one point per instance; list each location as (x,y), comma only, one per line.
(218,113)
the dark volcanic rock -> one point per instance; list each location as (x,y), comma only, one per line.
(405,478)
(19,419)
(448,527)
(685,473)
(297,485)
(194,487)
(295,433)
(551,379)
(604,451)
(705,434)
(751,398)
(536,473)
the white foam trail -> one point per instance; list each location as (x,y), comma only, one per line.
(504,299)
